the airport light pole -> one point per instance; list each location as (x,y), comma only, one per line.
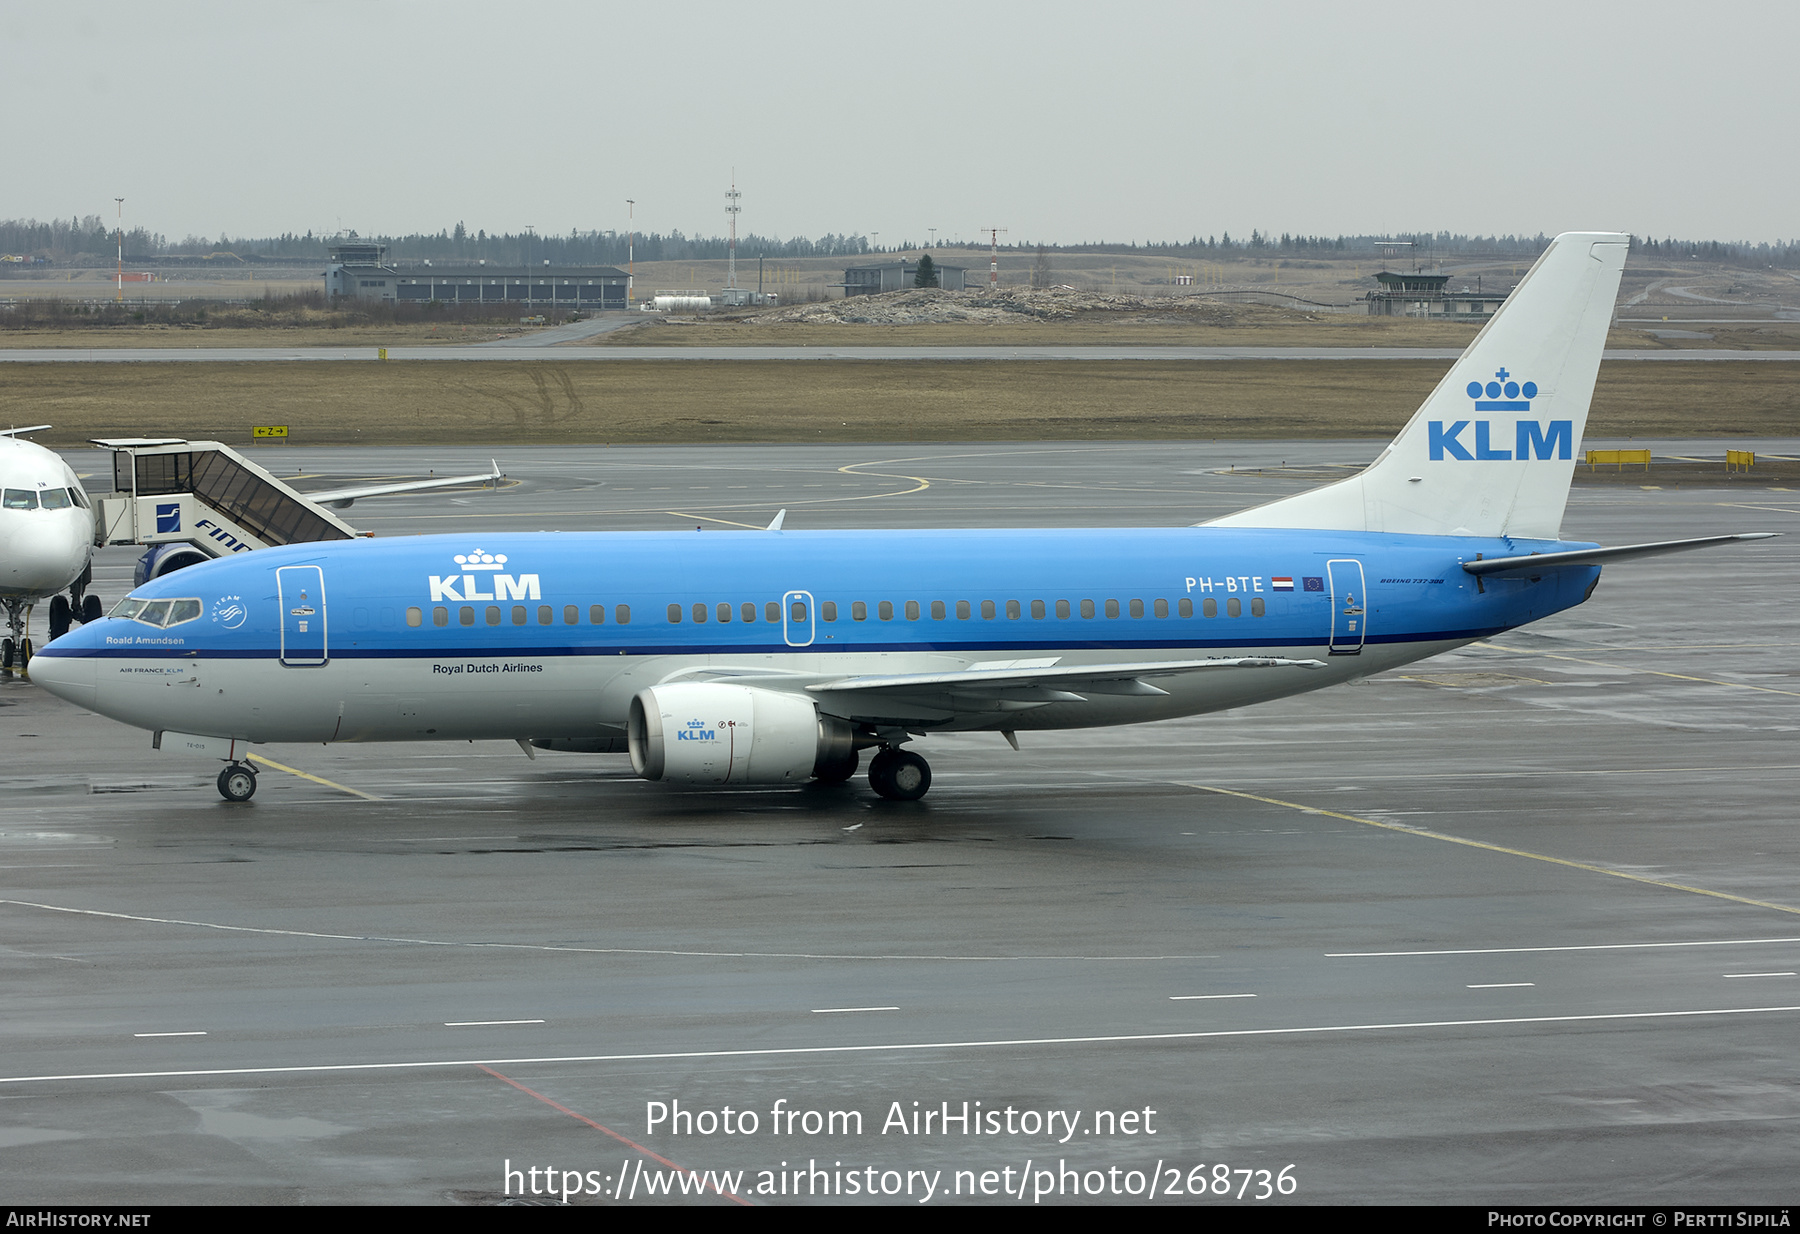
(630,249)
(121,295)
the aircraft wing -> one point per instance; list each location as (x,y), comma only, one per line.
(1020,685)
(340,498)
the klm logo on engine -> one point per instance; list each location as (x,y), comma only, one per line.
(483,568)
(696,730)
(1530,438)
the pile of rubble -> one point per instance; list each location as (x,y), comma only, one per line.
(928,305)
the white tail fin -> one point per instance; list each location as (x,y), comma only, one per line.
(1491,451)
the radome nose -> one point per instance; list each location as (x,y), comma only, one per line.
(69,677)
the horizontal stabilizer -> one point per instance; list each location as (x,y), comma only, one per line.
(1533,562)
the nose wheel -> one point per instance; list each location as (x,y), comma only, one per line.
(899,775)
(237,782)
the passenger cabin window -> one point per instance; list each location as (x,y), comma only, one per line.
(700,612)
(415,617)
(440,616)
(493,614)
(1062,609)
(519,614)
(748,612)
(1209,607)
(1087,608)
(962,610)
(885,610)
(1037,609)
(912,610)
(937,610)
(1160,608)
(1256,606)
(674,614)
(1234,607)
(724,612)
(987,610)
(859,611)
(622,614)
(772,612)
(1112,608)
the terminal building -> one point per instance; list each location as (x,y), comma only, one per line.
(898,276)
(362,272)
(1423,295)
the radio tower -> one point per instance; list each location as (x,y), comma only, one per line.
(993,257)
(732,210)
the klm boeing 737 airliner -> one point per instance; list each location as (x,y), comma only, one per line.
(773,657)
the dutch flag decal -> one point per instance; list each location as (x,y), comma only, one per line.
(1282,584)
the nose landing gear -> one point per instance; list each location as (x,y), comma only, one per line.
(237,782)
(15,650)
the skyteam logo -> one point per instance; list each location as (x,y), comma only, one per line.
(696,730)
(230,611)
(1531,439)
(480,568)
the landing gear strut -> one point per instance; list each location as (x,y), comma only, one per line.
(16,649)
(899,775)
(237,782)
(83,607)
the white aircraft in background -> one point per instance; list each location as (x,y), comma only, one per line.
(46,542)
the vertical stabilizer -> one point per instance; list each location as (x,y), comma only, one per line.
(1492,450)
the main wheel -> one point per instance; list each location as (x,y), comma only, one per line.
(899,775)
(838,772)
(91,609)
(25,650)
(61,616)
(6,653)
(237,783)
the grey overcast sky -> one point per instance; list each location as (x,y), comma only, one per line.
(1062,122)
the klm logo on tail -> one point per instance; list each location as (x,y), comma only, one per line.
(1530,438)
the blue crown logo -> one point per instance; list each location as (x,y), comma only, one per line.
(696,723)
(1503,394)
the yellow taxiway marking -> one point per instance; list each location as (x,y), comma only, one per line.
(1492,848)
(1626,668)
(307,775)
(707,518)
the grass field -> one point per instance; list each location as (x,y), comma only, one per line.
(436,402)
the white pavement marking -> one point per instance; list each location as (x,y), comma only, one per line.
(1760,974)
(1188,998)
(484,1023)
(1704,942)
(186,1034)
(908,1046)
(842,1010)
(1504,985)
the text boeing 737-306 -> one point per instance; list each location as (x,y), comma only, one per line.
(779,656)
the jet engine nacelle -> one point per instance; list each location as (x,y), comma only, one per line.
(710,733)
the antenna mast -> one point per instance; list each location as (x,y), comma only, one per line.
(993,257)
(732,209)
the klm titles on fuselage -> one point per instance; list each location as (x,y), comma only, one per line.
(1530,438)
(506,586)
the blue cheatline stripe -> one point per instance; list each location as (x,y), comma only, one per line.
(705,649)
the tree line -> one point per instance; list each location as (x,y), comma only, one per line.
(88,240)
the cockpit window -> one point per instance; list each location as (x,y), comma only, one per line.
(159,613)
(79,497)
(20,499)
(54,498)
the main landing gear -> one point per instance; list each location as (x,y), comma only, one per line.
(899,775)
(78,606)
(237,782)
